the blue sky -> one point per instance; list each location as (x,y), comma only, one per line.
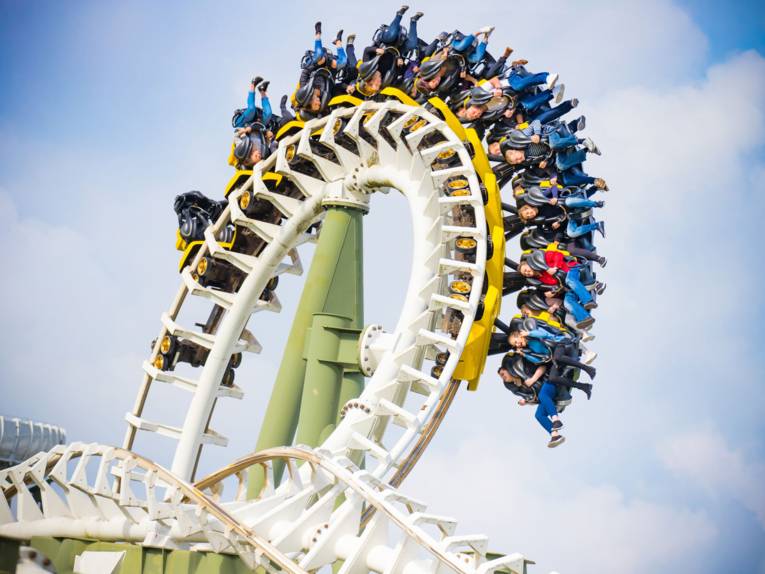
(730,27)
(108,110)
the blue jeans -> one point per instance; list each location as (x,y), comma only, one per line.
(579,202)
(390,34)
(575,284)
(520,79)
(574,229)
(547,114)
(546,407)
(531,102)
(583,193)
(576,176)
(412,38)
(573,306)
(568,159)
(561,139)
(576,296)
(350,51)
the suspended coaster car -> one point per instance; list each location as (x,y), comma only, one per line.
(195,213)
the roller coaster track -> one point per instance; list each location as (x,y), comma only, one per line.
(327,508)
(387,155)
(311,520)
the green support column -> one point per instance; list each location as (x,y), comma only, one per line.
(331,356)
(334,286)
(9,555)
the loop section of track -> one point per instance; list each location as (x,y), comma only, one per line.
(341,159)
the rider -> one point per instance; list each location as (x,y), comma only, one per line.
(469,46)
(369,82)
(244,116)
(530,390)
(251,147)
(470,106)
(394,36)
(553,269)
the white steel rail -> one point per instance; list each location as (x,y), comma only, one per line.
(405,167)
(312,520)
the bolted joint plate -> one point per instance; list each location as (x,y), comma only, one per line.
(347,192)
(374,342)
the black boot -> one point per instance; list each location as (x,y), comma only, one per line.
(586,388)
(339,37)
(402,10)
(263,87)
(417,16)
(317,27)
(256,80)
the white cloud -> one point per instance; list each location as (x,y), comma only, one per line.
(67,325)
(567,521)
(703,458)
(681,217)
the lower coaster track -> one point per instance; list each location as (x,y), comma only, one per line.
(312,519)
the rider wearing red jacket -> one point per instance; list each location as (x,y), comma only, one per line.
(545,265)
(555,260)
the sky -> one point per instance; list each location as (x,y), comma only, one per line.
(108,110)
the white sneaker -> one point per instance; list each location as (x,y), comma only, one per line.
(584,336)
(551,79)
(591,147)
(588,357)
(559,91)
(485,30)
